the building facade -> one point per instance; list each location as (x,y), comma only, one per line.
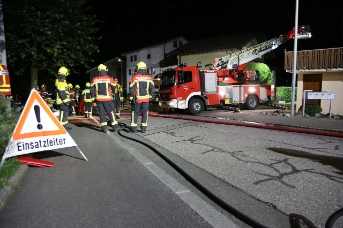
(154,57)
(319,70)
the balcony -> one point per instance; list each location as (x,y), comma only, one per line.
(315,60)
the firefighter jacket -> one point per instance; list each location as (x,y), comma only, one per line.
(141,87)
(86,95)
(72,94)
(102,88)
(62,95)
(77,94)
(5,86)
(118,91)
(44,93)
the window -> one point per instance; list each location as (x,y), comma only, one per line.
(180,43)
(131,58)
(185,76)
(175,43)
(148,56)
(135,57)
(130,72)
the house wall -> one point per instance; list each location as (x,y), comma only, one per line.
(156,53)
(330,81)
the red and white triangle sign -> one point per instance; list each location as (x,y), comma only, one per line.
(37,130)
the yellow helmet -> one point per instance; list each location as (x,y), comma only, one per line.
(43,86)
(102,67)
(63,71)
(88,84)
(70,85)
(141,65)
(77,87)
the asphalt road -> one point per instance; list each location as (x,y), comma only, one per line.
(276,178)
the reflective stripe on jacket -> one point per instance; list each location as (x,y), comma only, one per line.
(141,86)
(86,95)
(102,88)
(62,95)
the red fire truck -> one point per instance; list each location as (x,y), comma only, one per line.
(226,83)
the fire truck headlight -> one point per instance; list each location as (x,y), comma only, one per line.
(252,89)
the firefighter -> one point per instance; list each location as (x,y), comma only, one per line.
(62,96)
(72,99)
(140,90)
(117,98)
(102,88)
(87,100)
(77,95)
(44,93)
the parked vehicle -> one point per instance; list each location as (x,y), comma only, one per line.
(225,83)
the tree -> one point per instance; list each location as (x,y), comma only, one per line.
(265,75)
(46,34)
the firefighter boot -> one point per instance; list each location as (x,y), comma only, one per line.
(67,127)
(133,129)
(143,129)
(104,129)
(116,128)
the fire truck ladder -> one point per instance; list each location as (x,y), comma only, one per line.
(233,60)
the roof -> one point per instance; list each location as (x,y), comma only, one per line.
(153,46)
(218,43)
(105,63)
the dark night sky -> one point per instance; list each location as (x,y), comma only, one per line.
(129,26)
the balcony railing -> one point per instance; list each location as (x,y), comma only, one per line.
(319,59)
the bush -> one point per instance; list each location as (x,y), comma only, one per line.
(311,109)
(8,120)
(285,93)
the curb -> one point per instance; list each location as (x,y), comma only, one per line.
(13,183)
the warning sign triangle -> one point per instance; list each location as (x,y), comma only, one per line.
(37,130)
(37,120)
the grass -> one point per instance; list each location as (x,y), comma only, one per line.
(7,170)
(8,120)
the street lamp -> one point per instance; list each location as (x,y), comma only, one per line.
(121,72)
(294,56)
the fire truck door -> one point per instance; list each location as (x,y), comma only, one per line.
(185,83)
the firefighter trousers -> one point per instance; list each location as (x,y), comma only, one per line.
(136,109)
(116,103)
(103,108)
(64,113)
(72,107)
(88,107)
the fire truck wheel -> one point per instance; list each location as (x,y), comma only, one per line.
(196,106)
(251,102)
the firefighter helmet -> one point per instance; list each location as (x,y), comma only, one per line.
(77,87)
(43,86)
(63,71)
(70,85)
(102,67)
(141,65)
(88,84)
